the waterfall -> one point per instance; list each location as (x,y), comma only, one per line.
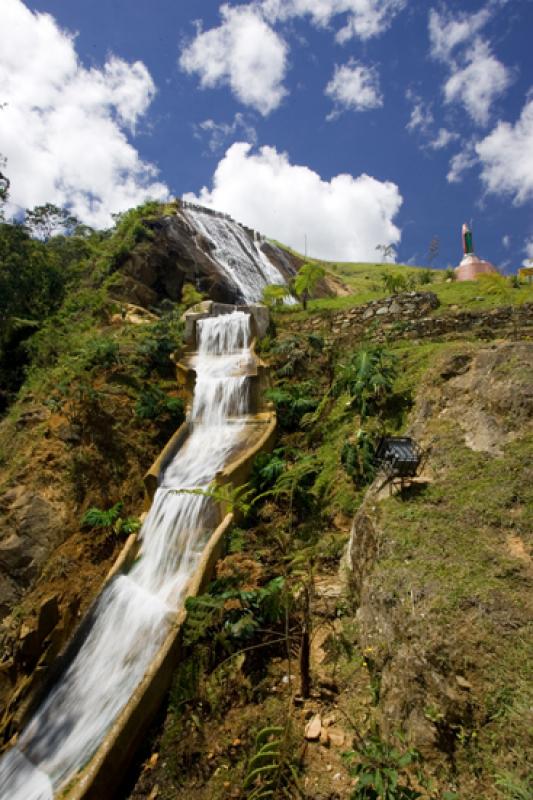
(243,261)
(133,614)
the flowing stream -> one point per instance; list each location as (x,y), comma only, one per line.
(133,613)
(243,261)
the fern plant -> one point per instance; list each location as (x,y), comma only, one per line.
(267,468)
(292,401)
(99,519)
(110,520)
(232,498)
(357,457)
(271,772)
(233,616)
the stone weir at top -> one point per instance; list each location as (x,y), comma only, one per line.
(78,740)
(228,261)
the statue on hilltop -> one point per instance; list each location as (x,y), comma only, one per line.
(466,235)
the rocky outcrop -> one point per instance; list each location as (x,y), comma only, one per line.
(179,253)
(31,528)
(489,394)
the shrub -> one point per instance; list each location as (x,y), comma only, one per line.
(381,772)
(275,295)
(190,295)
(266,470)
(357,457)
(394,284)
(153,403)
(292,402)
(425,276)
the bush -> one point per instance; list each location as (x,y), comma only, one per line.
(292,401)
(425,276)
(394,283)
(190,295)
(266,470)
(275,295)
(382,772)
(154,403)
(357,457)
(158,341)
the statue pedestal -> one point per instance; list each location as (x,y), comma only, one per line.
(471,267)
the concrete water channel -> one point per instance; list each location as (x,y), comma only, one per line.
(119,667)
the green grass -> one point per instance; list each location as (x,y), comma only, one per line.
(447,546)
(364,280)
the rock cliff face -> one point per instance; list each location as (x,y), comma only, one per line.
(228,262)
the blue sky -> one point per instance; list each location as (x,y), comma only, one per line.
(349,122)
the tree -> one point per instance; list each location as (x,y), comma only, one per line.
(4,185)
(49,220)
(433,250)
(306,280)
(387,251)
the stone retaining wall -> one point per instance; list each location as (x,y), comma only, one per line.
(407,316)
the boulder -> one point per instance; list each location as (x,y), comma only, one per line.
(313,728)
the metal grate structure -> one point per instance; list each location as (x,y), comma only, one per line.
(399,457)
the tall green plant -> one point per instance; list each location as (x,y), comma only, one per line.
(307,279)
(368,377)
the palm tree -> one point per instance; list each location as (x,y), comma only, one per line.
(306,280)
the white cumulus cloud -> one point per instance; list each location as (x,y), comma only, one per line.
(363,18)
(462,161)
(344,218)
(448,30)
(421,118)
(506,157)
(478,83)
(476,76)
(244,53)
(64,128)
(354,87)
(443,138)
(218,133)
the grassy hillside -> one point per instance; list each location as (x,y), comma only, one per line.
(370,281)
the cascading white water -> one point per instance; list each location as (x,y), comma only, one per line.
(244,262)
(133,613)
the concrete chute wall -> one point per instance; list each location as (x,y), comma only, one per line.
(102,775)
